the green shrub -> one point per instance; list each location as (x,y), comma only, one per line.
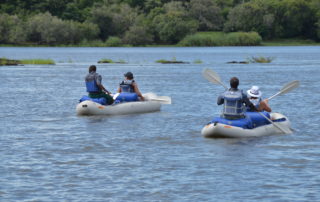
(243,39)
(138,35)
(113,42)
(222,39)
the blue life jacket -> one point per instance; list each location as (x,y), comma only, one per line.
(91,82)
(92,86)
(126,86)
(233,104)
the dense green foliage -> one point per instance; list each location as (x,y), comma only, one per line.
(137,22)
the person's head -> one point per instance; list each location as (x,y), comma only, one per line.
(234,82)
(254,92)
(128,75)
(92,68)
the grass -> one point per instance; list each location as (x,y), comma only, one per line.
(105,61)
(290,42)
(111,61)
(222,39)
(37,62)
(173,61)
(197,61)
(5,61)
(260,59)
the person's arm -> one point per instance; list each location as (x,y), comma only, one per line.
(220,100)
(102,88)
(119,90)
(136,90)
(264,106)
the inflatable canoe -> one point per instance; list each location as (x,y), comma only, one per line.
(253,125)
(124,104)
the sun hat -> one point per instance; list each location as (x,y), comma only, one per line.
(129,75)
(254,92)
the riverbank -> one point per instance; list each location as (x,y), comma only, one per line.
(290,42)
(274,42)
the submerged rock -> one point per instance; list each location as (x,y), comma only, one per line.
(238,62)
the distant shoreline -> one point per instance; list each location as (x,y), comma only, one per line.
(278,42)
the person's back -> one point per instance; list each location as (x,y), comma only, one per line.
(234,101)
(94,86)
(128,85)
(92,80)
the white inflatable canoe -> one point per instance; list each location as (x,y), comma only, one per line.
(152,103)
(216,130)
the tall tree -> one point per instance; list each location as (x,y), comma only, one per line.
(207,13)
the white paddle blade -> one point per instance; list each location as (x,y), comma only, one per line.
(154,97)
(287,88)
(290,86)
(213,77)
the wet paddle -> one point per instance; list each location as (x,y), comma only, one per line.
(154,97)
(287,88)
(214,78)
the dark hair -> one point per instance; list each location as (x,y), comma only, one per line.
(92,68)
(234,82)
(129,75)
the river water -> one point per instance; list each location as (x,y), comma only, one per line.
(48,153)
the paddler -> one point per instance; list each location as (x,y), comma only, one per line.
(235,101)
(254,95)
(128,85)
(95,87)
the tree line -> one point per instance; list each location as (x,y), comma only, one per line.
(142,22)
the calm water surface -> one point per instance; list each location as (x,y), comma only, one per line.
(48,153)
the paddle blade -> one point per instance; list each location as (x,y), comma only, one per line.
(290,86)
(154,97)
(213,77)
(287,88)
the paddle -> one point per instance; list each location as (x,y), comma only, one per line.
(287,88)
(154,97)
(214,78)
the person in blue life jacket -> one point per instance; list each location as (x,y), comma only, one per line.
(254,95)
(94,86)
(128,85)
(234,101)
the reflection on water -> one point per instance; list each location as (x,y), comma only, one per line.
(50,154)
